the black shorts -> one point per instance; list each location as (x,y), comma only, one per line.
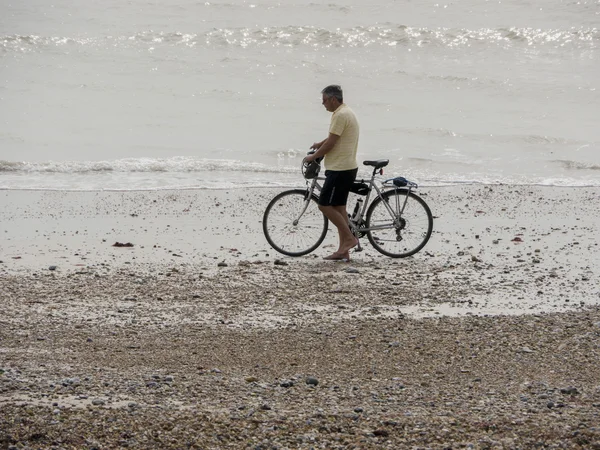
(337,187)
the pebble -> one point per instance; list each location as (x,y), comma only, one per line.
(381,433)
(569,391)
(352,270)
(98,402)
(279,262)
(52,268)
(71,381)
(312,381)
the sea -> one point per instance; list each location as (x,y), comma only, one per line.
(151,95)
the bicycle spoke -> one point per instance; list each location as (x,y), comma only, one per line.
(292,227)
(402,231)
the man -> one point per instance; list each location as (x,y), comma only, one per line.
(339,150)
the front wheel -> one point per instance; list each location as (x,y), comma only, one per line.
(401,223)
(293,223)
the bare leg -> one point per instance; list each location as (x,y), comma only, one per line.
(339,217)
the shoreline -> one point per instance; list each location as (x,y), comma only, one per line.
(299,185)
(531,246)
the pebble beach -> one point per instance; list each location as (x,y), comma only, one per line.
(198,335)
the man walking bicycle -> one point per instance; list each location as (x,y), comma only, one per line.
(339,150)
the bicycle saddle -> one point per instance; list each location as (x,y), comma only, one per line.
(378,163)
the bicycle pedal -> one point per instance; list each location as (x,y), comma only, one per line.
(358,248)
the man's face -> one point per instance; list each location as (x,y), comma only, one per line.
(328,103)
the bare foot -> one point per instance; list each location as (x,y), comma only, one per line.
(347,246)
(338,257)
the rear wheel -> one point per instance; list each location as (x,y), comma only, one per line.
(402,223)
(293,223)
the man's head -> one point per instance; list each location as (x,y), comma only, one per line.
(333,97)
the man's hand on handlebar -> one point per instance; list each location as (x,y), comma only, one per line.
(311,156)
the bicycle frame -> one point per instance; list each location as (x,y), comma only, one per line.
(314,185)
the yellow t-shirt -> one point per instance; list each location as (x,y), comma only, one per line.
(343,154)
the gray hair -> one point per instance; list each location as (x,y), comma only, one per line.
(334,90)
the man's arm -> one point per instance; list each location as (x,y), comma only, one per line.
(317,145)
(323,147)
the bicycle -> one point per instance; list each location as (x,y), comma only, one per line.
(398,223)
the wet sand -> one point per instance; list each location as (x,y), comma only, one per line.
(200,336)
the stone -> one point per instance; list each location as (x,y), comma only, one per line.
(120,244)
(569,390)
(312,381)
(381,433)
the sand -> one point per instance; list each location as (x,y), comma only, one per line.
(201,336)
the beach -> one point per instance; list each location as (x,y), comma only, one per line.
(199,335)
(141,305)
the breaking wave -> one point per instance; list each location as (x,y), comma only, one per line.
(176,164)
(313,37)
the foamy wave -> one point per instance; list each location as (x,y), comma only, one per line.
(294,36)
(176,164)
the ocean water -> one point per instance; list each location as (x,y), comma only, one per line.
(226,94)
